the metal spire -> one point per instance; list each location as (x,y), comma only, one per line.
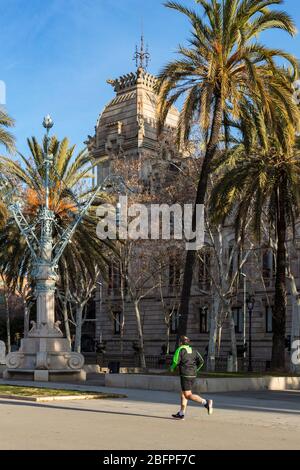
(142,56)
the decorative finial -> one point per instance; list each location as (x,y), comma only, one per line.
(142,56)
(48,122)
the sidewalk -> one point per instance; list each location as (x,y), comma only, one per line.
(252,420)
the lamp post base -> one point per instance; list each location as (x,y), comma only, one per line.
(45,358)
(61,376)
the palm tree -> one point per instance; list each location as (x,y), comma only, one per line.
(222,67)
(68,191)
(259,180)
(8,141)
(6,138)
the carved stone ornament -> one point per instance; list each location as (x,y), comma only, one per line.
(14,360)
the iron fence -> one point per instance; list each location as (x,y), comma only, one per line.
(163,362)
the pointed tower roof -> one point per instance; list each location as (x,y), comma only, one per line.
(128,124)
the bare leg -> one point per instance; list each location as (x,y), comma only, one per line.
(184,403)
(190,396)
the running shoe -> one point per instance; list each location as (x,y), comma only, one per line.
(209,407)
(178,416)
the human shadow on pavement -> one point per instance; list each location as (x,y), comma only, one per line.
(279,402)
(88,410)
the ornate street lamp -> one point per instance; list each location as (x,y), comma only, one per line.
(45,355)
(250,305)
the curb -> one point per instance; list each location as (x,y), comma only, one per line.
(62,398)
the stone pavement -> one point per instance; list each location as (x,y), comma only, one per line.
(252,420)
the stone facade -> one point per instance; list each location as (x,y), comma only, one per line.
(128,126)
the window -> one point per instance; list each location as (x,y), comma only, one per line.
(238,319)
(118,319)
(175,322)
(90,310)
(268,264)
(269,319)
(204,269)
(114,277)
(103,171)
(204,328)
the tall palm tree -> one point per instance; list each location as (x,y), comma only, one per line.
(68,192)
(6,138)
(222,67)
(8,141)
(259,180)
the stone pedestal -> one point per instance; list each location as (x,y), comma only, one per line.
(45,356)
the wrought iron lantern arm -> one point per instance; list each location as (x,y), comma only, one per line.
(66,236)
(26,230)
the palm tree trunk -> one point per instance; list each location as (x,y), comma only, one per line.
(279,312)
(200,199)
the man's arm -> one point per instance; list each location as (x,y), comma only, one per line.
(176,360)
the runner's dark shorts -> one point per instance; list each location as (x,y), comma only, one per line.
(187,383)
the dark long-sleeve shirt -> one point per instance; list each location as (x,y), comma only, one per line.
(188,361)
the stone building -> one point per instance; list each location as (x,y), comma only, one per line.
(128,126)
(128,123)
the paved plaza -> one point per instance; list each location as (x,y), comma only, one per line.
(257,420)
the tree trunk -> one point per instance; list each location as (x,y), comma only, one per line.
(200,200)
(66,322)
(7,324)
(79,310)
(122,331)
(219,340)
(26,319)
(168,337)
(233,342)
(122,326)
(213,332)
(279,312)
(140,335)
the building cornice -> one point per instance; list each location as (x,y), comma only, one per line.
(133,80)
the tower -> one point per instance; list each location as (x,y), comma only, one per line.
(128,124)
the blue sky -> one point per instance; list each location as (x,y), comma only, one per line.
(56,56)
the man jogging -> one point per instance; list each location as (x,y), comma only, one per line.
(189,363)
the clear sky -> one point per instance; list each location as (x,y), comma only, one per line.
(56,56)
